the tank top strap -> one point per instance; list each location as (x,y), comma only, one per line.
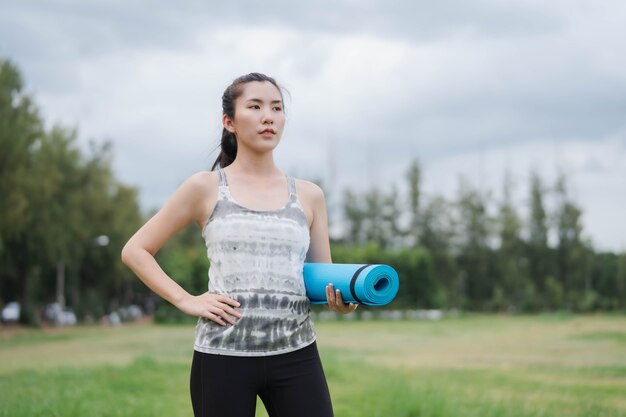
(224,193)
(222,176)
(293,196)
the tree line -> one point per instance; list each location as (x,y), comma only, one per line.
(478,252)
(471,252)
(55,201)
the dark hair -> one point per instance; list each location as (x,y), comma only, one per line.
(228,143)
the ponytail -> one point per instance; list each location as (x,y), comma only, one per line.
(228,144)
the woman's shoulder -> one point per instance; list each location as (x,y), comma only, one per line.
(201,190)
(203,178)
(201,182)
(308,189)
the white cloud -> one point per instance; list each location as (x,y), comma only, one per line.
(469,89)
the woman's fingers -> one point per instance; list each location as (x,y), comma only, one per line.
(227,300)
(227,309)
(223,314)
(338,297)
(343,307)
(335,301)
(214,318)
(218,308)
(330,295)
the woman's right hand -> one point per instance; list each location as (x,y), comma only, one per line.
(215,307)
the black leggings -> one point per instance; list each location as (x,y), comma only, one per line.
(290,384)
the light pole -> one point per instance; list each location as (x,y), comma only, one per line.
(61,284)
(102,240)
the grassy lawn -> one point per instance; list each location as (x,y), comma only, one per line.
(553,365)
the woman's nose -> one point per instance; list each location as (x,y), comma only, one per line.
(267,118)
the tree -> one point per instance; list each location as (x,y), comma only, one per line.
(620,281)
(573,260)
(413,177)
(510,257)
(435,227)
(474,258)
(21,131)
(538,253)
(55,200)
(605,277)
(372,217)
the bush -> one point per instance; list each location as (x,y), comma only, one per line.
(167,313)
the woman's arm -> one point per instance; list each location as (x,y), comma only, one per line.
(186,205)
(319,248)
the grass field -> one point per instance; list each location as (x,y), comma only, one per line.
(487,366)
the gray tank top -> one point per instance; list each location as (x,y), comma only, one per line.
(257,258)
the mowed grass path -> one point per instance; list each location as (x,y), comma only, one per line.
(458,367)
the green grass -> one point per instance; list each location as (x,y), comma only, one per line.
(468,366)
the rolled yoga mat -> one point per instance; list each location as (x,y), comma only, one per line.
(374,285)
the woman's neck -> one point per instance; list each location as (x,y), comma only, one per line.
(255,165)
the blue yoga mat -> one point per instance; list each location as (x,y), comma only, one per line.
(374,285)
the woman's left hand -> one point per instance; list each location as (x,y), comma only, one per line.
(335,302)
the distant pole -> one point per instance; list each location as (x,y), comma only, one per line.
(61,283)
(102,240)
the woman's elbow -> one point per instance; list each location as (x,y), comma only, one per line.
(127,254)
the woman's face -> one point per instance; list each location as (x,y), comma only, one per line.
(259,118)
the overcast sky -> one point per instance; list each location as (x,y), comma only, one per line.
(470,88)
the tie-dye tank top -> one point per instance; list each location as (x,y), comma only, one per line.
(257,258)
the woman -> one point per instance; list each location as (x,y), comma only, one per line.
(254,335)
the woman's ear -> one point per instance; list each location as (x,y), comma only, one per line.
(228,123)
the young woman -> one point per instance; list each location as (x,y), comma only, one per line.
(254,335)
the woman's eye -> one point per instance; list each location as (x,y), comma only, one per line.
(278,108)
(254,106)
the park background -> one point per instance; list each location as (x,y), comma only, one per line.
(477,147)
